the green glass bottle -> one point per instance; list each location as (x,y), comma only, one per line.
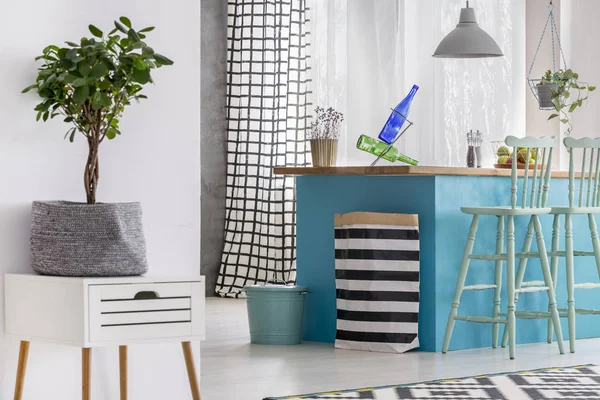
(376,147)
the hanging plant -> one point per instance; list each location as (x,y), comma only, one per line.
(564,92)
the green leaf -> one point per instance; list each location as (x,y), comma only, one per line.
(100,100)
(148,29)
(71,54)
(98,71)
(141,76)
(114,123)
(564,121)
(95,31)
(65,63)
(69,119)
(133,36)
(120,27)
(84,69)
(125,21)
(591,88)
(72,137)
(556,103)
(104,84)
(109,64)
(112,32)
(126,60)
(552,116)
(39,115)
(96,101)
(45,93)
(70,78)
(140,64)
(79,82)
(46,115)
(573,107)
(162,60)
(147,50)
(81,94)
(72,44)
(28,88)
(111,133)
(105,99)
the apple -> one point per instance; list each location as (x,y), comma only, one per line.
(503,159)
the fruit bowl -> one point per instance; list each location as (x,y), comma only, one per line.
(520,165)
(504,157)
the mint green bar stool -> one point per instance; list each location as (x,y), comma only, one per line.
(588,204)
(531,206)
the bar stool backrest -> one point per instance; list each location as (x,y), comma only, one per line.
(588,179)
(541,170)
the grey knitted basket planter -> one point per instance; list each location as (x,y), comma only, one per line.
(76,239)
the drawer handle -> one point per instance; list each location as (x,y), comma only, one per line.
(147,295)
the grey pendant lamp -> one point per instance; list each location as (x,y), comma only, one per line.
(467,40)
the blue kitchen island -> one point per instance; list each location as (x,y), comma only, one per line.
(436,195)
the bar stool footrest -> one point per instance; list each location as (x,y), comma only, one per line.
(533,283)
(480,287)
(488,257)
(532,289)
(587,286)
(481,320)
(582,311)
(530,314)
(576,253)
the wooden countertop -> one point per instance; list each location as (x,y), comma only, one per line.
(404,170)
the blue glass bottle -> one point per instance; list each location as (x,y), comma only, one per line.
(394,123)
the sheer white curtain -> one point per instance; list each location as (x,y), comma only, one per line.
(367,54)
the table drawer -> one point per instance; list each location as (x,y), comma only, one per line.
(147,311)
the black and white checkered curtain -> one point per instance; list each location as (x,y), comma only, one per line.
(268,112)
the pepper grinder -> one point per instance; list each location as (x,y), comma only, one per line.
(471,149)
(478,140)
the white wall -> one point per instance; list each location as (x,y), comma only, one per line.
(580,30)
(156,161)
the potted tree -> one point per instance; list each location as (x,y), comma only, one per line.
(562,92)
(89,84)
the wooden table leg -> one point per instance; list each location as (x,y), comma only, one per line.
(86,371)
(191,369)
(20,382)
(123,371)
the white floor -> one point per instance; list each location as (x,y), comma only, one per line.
(233,369)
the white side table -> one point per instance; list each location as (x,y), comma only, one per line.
(96,312)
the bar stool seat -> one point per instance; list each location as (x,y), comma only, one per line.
(506,211)
(575,210)
(532,206)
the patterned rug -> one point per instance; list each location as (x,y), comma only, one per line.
(571,383)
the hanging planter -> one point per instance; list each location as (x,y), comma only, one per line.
(559,90)
(544,95)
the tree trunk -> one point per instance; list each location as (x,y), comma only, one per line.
(92,171)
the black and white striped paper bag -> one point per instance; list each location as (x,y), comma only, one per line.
(377,281)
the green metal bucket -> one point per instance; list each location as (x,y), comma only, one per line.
(275,313)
